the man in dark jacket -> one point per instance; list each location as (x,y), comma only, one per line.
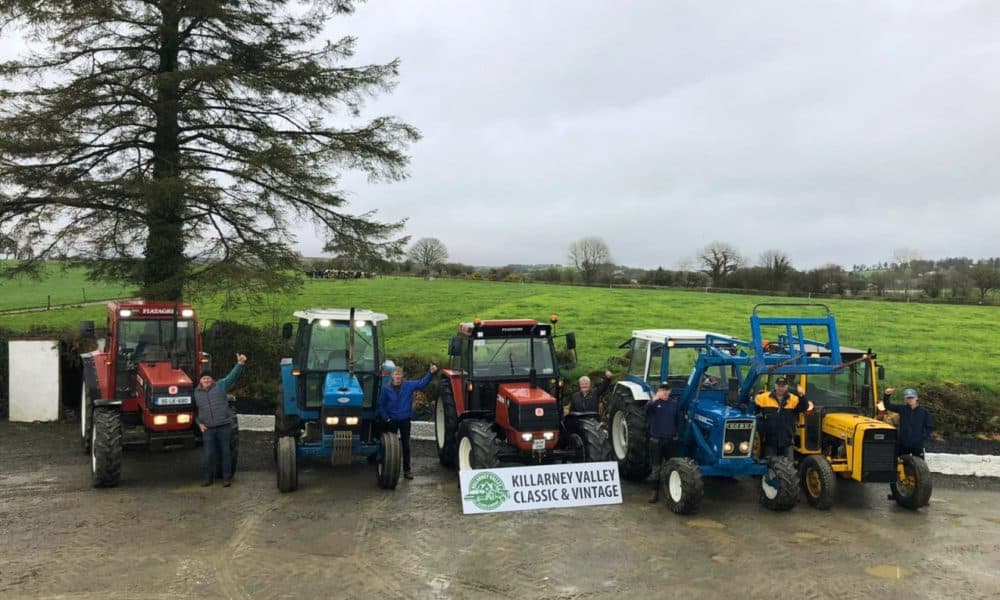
(778,410)
(915,422)
(664,425)
(395,408)
(588,399)
(215,421)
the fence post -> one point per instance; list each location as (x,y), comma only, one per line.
(48,304)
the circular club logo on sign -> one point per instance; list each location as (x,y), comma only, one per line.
(487,491)
(172,389)
(539,412)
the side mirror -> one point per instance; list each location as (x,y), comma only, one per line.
(455,346)
(286,331)
(881,372)
(570,341)
(87,329)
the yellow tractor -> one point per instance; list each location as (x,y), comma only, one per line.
(846,436)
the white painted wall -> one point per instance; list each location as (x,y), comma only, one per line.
(34,380)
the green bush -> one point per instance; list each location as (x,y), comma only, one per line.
(959,409)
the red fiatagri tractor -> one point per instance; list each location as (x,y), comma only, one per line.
(138,388)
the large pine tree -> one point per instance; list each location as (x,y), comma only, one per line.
(171,142)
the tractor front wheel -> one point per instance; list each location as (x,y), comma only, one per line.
(779,486)
(387,471)
(629,442)
(819,483)
(913,486)
(593,440)
(477,448)
(681,485)
(445,424)
(106,447)
(288,468)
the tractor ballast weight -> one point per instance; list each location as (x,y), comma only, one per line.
(142,382)
(327,409)
(500,400)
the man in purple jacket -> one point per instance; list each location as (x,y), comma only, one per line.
(395,408)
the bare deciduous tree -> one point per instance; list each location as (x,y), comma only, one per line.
(428,253)
(589,255)
(719,259)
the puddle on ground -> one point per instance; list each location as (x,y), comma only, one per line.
(805,536)
(722,560)
(705,524)
(994,520)
(887,571)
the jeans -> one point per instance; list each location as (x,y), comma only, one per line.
(660,449)
(402,426)
(914,450)
(773,450)
(218,439)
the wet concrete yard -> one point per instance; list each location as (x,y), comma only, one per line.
(160,535)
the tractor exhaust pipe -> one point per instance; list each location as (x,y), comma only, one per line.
(350,343)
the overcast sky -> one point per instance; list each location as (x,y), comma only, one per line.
(836,132)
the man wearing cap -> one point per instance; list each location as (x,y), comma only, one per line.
(915,422)
(395,407)
(215,421)
(663,418)
(778,410)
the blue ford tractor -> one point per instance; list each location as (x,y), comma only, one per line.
(329,389)
(715,378)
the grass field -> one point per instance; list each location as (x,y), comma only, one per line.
(62,286)
(918,343)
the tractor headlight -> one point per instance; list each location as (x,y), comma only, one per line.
(125,313)
(351,420)
(548,435)
(526,437)
(160,420)
(744,447)
(728,448)
(187,313)
(183,418)
(333,420)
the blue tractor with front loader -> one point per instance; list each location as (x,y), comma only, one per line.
(326,409)
(715,378)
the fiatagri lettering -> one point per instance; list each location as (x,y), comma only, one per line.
(563,478)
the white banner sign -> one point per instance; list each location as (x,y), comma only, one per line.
(548,486)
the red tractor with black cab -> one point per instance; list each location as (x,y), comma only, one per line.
(501,400)
(138,386)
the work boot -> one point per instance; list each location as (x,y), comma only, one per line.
(655,497)
(227,482)
(408,474)
(207,482)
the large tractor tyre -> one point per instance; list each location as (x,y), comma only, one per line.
(629,442)
(913,488)
(288,468)
(86,419)
(106,447)
(446,425)
(387,470)
(819,482)
(477,447)
(234,452)
(779,486)
(681,486)
(593,440)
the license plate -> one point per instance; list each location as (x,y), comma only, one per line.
(173,401)
(538,444)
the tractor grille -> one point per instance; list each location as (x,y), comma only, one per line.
(738,431)
(878,456)
(526,418)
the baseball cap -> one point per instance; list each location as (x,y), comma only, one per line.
(910,393)
(206,373)
(781,380)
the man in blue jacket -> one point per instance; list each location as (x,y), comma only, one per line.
(215,420)
(395,408)
(915,422)
(663,418)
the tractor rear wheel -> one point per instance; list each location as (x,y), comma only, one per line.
(86,419)
(681,485)
(445,424)
(387,470)
(779,486)
(593,438)
(288,468)
(106,447)
(913,487)
(819,483)
(629,443)
(477,448)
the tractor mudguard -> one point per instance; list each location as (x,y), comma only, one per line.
(107,402)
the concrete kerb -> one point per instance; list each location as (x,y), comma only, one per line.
(946,464)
